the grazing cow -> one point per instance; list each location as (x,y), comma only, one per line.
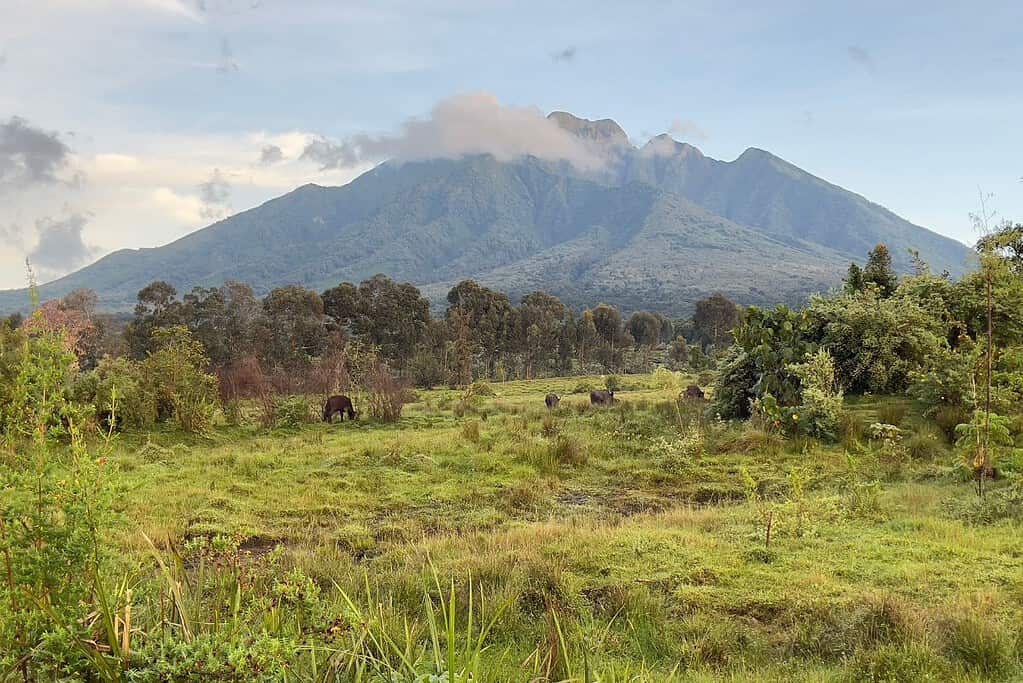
(336,405)
(552,400)
(602,398)
(692,392)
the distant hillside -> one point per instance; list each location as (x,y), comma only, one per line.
(661,228)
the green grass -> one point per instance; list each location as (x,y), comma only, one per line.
(606,544)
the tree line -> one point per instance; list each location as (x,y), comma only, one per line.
(481,333)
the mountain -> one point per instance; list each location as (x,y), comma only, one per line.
(760,190)
(659,228)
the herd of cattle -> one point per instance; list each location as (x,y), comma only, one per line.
(342,405)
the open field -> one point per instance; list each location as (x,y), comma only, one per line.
(624,543)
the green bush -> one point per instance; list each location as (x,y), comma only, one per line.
(174,374)
(736,385)
(117,386)
(584,388)
(293,411)
(818,415)
(481,388)
(878,343)
(1001,504)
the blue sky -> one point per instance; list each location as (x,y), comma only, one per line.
(163,106)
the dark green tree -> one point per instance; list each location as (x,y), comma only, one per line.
(292,327)
(586,337)
(879,271)
(715,317)
(645,329)
(853,279)
(489,316)
(611,335)
(393,317)
(157,308)
(544,333)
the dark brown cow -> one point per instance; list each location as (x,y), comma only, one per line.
(552,400)
(338,405)
(692,392)
(602,398)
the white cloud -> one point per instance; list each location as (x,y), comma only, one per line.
(174,8)
(474,123)
(184,208)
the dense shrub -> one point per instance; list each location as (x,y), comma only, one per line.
(584,388)
(947,381)
(174,372)
(877,342)
(735,387)
(385,394)
(482,389)
(118,388)
(821,408)
(293,411)
(767,343)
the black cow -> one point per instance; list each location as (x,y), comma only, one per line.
(692,392)
(602,398)
(338,405)
(552,400)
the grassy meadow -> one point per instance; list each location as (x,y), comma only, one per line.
(494,540)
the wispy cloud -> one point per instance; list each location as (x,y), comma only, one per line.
(860,55)
(214,195)
(226,64)
(565,55)
(687,129)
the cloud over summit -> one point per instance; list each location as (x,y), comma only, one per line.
(463,125)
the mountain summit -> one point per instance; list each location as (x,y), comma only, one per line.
(658,228)
(605,132)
